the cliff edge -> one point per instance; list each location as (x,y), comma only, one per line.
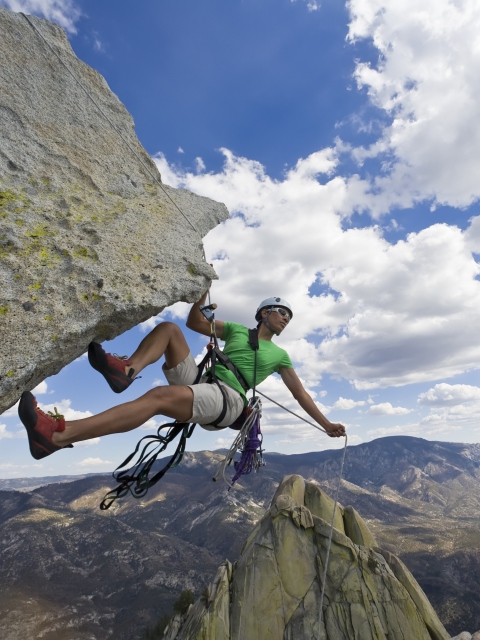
(91,242)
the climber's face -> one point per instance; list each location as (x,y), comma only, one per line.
(277,318)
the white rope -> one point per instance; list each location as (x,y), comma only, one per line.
(293,413)
(237,444)
(156,177)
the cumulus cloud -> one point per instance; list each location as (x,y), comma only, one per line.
(6,434)
(440,431)
(199,165)
(40,389)
(386,409)
(94,463)
(14,470)
(444,394)
(87,443)
(378,318)
(425,82)
(13,411)
(176,311)
(64,407)
(444,422)
(312,5)
(64,12)
(152,424)
(344,404)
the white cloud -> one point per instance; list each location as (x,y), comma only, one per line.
(443,394)
(419,430)
(97,43)
(199,165)
(40,389)
(445,422)
(386,409)
(465,416)
(14,470)
(152,424)
(13,411)
(64,12)
(426,83)
(5,434)
(388,313)
(176,311)
(344,404)
(94,463)
(87,443)
(64,408)
(380,320)
(312,5)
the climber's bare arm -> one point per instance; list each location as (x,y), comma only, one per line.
(292,382)
(196,321)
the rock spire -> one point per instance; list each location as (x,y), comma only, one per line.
(272,591)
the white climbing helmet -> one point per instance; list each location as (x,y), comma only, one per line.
(273,302)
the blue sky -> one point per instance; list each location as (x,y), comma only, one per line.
(344,140)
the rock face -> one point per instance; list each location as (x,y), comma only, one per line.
(91,242)
(273,591)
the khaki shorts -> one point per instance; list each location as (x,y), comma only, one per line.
(207,398)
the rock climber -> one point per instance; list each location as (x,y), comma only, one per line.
(181,399)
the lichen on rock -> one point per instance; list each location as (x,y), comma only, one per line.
(91,242)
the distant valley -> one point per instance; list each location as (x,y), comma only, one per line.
(73,572)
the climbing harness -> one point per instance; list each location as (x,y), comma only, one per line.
(136,478)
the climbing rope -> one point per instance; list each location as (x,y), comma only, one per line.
(239,443)
(156,177)
(329,544)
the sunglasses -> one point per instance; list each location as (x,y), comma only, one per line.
(282,312)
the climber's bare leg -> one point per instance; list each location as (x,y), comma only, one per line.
(175,402)
(166,339)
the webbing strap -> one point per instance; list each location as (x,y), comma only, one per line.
(136,480)
(228,364)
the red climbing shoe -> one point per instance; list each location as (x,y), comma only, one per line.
(40,426)
(112,367)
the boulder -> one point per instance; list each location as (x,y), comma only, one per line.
(273,591)
(91,242)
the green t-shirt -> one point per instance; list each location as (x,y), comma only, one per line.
(270,357)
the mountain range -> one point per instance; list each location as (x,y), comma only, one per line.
(73,572)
